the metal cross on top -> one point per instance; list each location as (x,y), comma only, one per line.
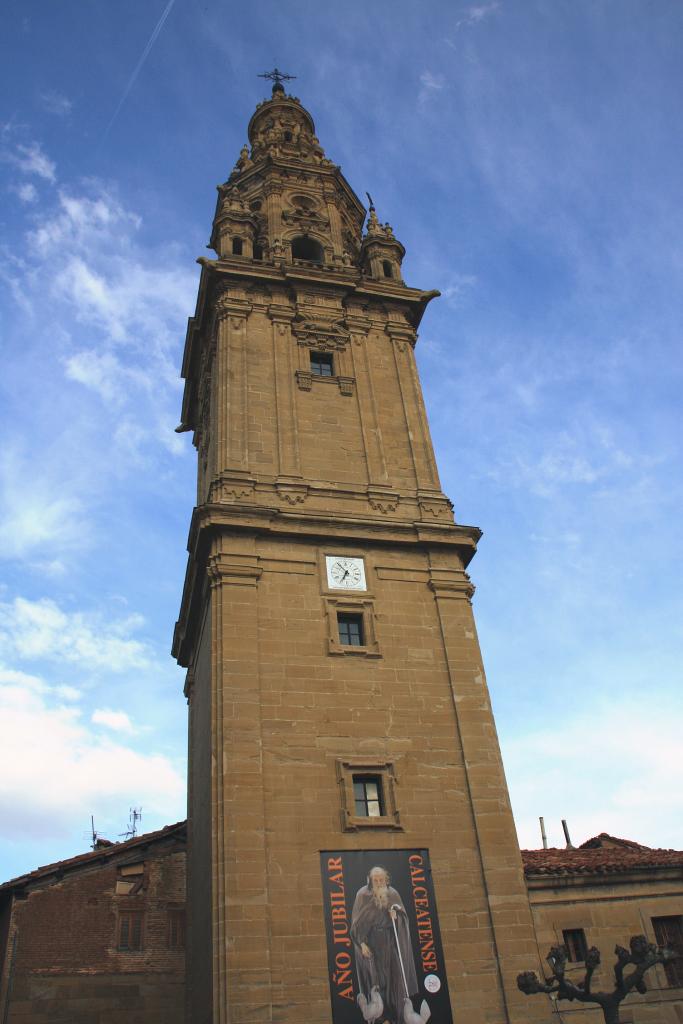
(277,76)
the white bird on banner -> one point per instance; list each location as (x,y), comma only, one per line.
(372,1010)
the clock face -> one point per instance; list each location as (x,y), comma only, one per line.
(345,573)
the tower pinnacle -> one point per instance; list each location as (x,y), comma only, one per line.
(277,77)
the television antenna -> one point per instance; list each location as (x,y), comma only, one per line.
(133,818)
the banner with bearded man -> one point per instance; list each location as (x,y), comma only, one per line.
(381,939)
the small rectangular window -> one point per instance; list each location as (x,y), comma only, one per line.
(575,941)
(350,629)
(367,794)
(669,932)
(237,246)
(322,364)
(130,930)
(176,929)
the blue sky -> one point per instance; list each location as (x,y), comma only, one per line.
(528,155)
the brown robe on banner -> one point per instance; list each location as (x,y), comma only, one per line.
(371,924)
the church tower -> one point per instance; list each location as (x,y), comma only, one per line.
(344,766)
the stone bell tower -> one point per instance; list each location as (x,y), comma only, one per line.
(337,699)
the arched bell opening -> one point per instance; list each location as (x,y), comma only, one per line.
(306,248)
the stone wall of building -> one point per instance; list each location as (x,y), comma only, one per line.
(610,889)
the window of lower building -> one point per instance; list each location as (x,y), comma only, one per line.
(322,363)
(669,932)
(258,252)
(575,941)
(367,795)
(130,879)
(130,930)
(350,629)
(176,929)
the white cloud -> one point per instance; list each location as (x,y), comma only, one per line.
(67,692)
(38,514)
(116,720)
(100,371)
(12,677)
(628,751)
(56,103)
(430,81)
(457,287)
(27,192)
(30,158)
(42,631)
(475,14)
(54,772)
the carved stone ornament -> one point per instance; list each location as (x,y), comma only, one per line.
(293,494)
(227,489)
(439,508)
(382,501)
(304,379)
(321,335)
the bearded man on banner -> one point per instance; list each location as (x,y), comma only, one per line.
(384,954)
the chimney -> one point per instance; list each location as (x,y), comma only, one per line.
(543,835)
(566,835)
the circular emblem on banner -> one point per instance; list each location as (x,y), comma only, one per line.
(432,983)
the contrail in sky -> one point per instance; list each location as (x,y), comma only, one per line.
(138,67)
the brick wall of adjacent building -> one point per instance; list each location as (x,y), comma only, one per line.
(62,962)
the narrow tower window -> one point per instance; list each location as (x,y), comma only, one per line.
(305,248)
(237,246)
(367,795)
(322,364)
(258,252)
(387,269)
(350,629)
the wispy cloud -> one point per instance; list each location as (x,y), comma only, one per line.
(430,84)
(39,514)
(27,192)
(29,158)
(41,631)
(474,15)
(55,103)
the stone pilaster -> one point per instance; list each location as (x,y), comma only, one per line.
(241,947)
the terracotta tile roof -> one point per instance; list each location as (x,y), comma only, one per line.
(101,854)
(604,854)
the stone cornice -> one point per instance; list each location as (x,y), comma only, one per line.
(210,521)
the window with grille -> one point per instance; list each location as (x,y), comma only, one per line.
(577,947)
(176,929)
(322,364)
(367,795)
(350,629)
(130,930)
(669,932)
